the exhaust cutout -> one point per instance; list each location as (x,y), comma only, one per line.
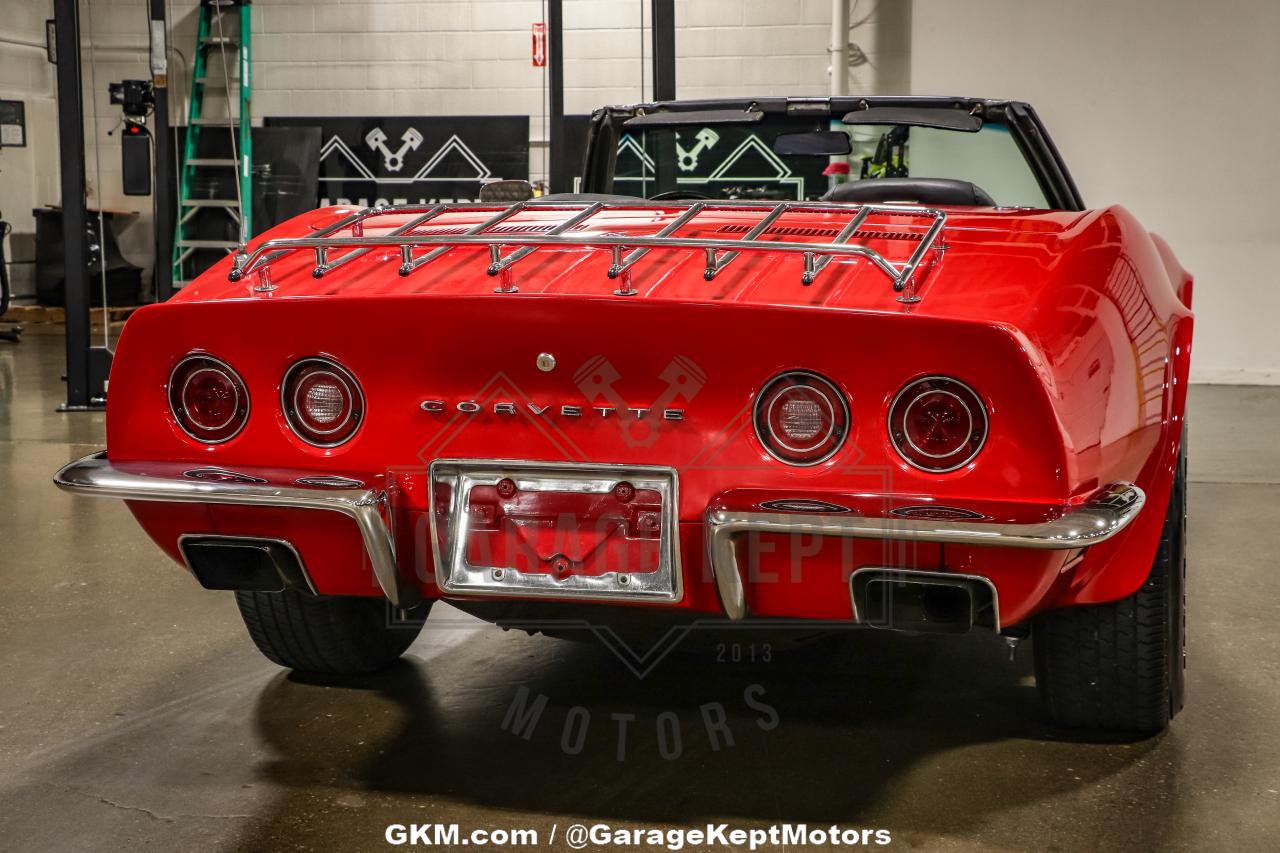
(932,602)
(244,564)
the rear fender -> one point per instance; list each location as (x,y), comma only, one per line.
(1117,568)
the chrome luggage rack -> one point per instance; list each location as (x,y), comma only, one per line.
(624,250)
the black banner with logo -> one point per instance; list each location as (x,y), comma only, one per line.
(414,159)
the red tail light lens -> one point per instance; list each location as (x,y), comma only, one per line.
(208,399)
(801,418)
(938,424)
(322,402)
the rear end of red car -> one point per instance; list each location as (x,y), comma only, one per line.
(700,451)
(828,413)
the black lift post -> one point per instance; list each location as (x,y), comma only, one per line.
(87,366)
(663,22)
(559,175)
(164,186)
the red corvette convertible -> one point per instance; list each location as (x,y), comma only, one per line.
(806,362)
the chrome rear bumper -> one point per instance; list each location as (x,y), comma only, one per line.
(1097,520)
(171,483)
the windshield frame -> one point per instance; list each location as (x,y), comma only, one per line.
(1020,118)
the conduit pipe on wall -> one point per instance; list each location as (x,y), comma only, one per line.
(839,49)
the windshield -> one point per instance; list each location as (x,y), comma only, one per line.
(743,160)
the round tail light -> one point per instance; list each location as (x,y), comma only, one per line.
(322,402)
(208,399)
(937,424)
(801,418)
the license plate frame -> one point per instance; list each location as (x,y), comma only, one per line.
(450,482)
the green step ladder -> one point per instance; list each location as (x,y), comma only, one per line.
(221,71)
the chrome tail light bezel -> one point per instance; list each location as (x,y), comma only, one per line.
(913,391)
(290,384)
(176,394)
(777,446)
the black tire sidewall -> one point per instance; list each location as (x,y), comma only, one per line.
(1177,583)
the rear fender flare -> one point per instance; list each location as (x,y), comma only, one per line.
(1117,568)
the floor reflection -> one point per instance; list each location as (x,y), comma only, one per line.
(818,732)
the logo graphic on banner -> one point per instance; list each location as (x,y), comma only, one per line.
(707,138)
(753,160)
(394,162)
(452,145)
(401,160)
(751,163)
(643,167)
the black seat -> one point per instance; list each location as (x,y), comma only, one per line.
(914,190)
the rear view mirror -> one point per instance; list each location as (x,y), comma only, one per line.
(815,143)
(509,191)
(943,119)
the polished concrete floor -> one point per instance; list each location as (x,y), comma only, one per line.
(135,714)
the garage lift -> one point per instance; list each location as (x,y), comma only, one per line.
(663,18)
(88,366)
(8,331)
(214,186)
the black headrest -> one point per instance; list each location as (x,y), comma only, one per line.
(570,197)
(914,190)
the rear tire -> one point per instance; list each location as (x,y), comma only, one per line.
(331,635)
(1121,666)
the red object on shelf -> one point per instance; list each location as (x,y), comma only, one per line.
(539,45)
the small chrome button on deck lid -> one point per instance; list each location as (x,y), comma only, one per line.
(546,362)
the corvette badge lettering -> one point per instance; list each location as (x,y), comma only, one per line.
(471,407)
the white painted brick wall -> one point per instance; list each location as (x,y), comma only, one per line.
(444,57)
(28,176)
(1164,107)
